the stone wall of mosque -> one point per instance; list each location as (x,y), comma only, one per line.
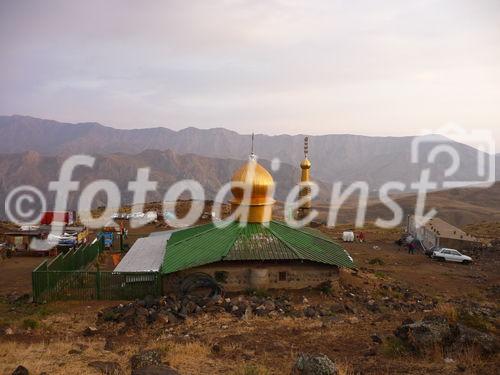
(239,276)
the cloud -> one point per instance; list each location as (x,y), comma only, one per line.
(385,67)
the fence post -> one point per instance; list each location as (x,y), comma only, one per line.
(98,283)
(34,285)
(101,243)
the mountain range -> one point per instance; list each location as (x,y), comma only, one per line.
(335,157)
(32,151)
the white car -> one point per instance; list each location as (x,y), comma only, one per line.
(451,255)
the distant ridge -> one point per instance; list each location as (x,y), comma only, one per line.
(166,168)
(345,158)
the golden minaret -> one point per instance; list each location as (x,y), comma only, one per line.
(258,182)
(305,186)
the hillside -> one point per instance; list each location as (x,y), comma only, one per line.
(460,207)
(167,167)
(336,157)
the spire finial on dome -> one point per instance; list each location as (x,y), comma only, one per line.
(252,154)
(305,191)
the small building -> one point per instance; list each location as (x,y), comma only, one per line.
(437,232)
(253,256)
(20,240)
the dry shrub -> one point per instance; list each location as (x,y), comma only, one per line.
(394,347)
(436,352)
(52,358)
(183,356)
(471,358)
(345,368)
(447,310)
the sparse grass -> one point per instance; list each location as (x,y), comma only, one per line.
(109,316)
(393,347)
(376,261)
(31,323)
(478,322)
(472,359)
(326,288)
(19,312)
(186,356)
(379,274)
(252,370)
(436,352)
(345,368)
(51,358)
(447,310)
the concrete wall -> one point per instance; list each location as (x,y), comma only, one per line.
(241,275)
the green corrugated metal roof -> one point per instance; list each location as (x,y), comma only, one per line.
(208,243)
(312,247)
(257,242)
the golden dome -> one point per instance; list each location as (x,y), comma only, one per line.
(305,164)
(254,178)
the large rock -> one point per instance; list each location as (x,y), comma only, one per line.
(424,334)
(107,368)
(487,343)
(90,331)
(21,370)
(436,330)
(155,370)
(314,365)
(145,358)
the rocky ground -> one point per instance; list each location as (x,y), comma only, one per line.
(398,314)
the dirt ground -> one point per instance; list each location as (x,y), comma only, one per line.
(49,337)
(15,274)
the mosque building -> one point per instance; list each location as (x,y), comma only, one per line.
(252,251)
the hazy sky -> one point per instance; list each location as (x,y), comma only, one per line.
(365,67)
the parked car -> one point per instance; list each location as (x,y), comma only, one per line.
(451,255)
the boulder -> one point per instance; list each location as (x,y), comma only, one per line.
(310,312)
(376,338)
(320,364)
(353,320)
(90,331)
(269,305)
(145,358)
(20,370)
(424,334)
(487,343)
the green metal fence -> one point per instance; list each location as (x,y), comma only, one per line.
(65,278)
(52,273)
(83,285)
(75,259)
